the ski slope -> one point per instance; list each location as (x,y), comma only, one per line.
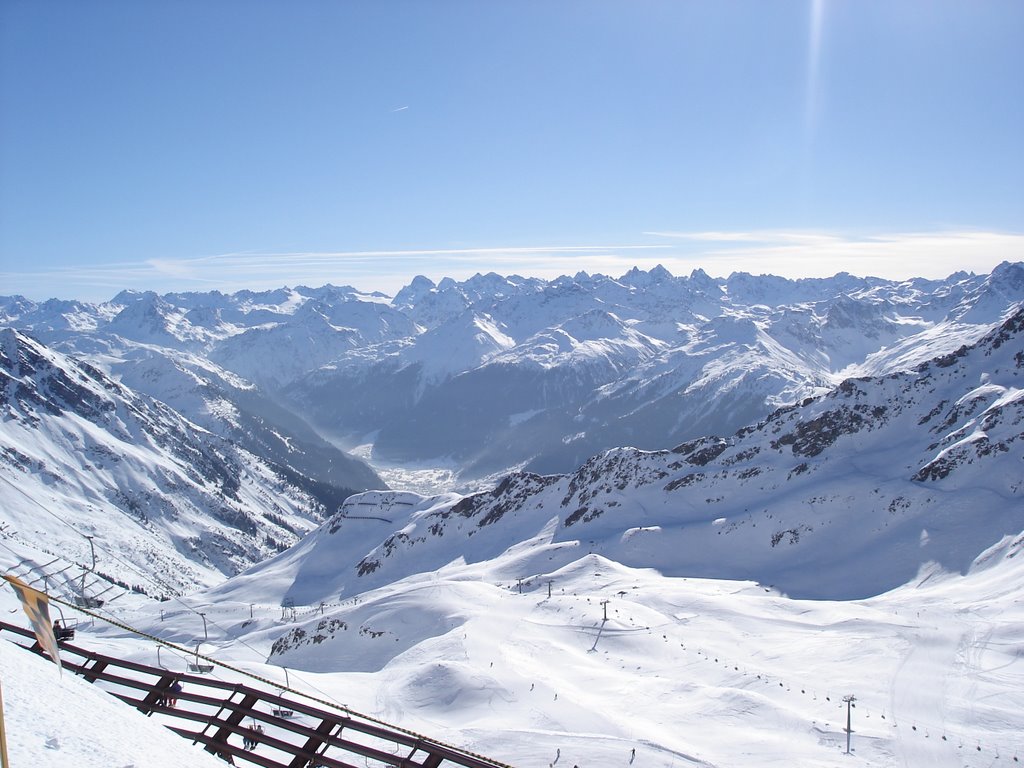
(55,720)
(681,672)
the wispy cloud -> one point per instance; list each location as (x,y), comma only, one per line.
(787,253)
(370,270)
(895,256)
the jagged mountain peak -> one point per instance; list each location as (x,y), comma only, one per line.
(583,277)
(1008,273)
(130,296)
(414,292)
(992,295)
(13,307)
(639,278)
(313,310)
(152,318)
(702,280)
(143,303)
(660,273)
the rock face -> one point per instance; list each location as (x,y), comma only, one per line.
(842,495)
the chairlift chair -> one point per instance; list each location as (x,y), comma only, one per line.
(64,629)
(197,666)
(92,601)
(100,597)
(281,711)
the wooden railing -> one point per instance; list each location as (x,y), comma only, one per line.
(221,715)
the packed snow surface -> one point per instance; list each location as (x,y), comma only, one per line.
(55,720)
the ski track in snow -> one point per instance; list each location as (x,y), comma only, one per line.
(918,694)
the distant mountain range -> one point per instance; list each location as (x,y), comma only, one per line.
(496,373)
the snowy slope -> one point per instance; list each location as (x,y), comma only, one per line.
(596,663)
(231,407)
(170,503)
(157,346)
(56,721)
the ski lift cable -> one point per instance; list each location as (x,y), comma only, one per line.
(34,572)
(127,564)
(109,618)
(42,574)
(154,578)
(88,537)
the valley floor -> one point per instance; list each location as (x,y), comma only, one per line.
(426,478)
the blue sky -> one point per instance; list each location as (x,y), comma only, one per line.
(225,144)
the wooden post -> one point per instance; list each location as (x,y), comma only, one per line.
(3,735)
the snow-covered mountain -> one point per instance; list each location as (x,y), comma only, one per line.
(155,347)
(496,372)
(173,505)
(543,375)
(843,495)
(227,405)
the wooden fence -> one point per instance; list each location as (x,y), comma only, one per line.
(222,715)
